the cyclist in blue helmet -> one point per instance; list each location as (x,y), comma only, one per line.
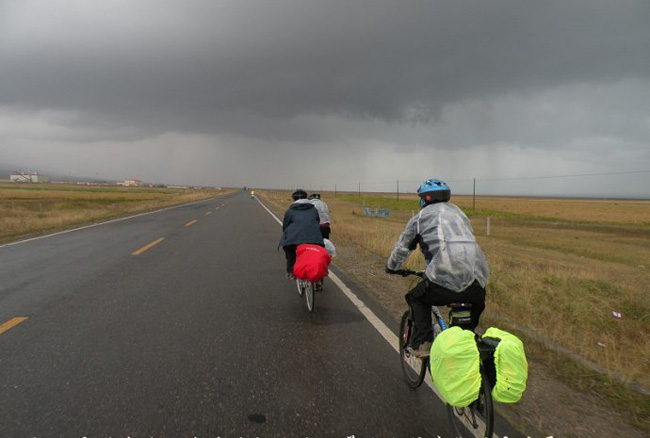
(456,267)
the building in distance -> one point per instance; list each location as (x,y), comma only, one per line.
(132,182)
(28,177)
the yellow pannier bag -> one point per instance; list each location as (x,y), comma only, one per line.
(511,366)
(455,366)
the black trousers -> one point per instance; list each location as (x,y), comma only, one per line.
(427,294)
(325,230)
(290,254)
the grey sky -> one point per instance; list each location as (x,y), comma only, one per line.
(285,93)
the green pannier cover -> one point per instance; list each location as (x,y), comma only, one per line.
(455,366)
(511,366)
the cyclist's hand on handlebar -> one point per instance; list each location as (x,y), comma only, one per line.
(402,272)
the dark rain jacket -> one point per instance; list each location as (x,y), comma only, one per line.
(301,224)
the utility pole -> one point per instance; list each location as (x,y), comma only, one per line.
(474,197)
(359,189)
(398,190)
(335,190)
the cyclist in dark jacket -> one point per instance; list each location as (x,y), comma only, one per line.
(300,225)
(456,267)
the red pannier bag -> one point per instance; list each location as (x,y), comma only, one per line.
(312,262)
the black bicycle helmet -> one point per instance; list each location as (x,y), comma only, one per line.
(299,194)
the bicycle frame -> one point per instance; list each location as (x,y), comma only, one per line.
(439,318)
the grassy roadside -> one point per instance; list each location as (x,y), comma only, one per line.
(559,269)
(32,209)
(596,211)
(561,281)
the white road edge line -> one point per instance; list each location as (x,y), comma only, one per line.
(373,319)
(103,223)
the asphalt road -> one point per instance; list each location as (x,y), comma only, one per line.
(199,335)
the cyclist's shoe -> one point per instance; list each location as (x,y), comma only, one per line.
(291,276)
(423,351)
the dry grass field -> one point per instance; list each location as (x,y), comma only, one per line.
(27,209)
(559,268)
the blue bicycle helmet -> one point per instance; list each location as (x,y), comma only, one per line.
(432,191)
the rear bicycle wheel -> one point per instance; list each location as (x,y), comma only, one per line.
(477,419)
(309,295)
(301,287)
(414,369)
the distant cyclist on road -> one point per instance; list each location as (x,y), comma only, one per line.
(456,267)
(323,214)
(300,225)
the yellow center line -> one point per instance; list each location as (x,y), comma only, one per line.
(207,213)
(191,222)
(11,323)
(147,246)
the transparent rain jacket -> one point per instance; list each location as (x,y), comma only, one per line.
(323,211)
(446,238)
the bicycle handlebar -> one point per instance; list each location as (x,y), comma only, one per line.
(407,272)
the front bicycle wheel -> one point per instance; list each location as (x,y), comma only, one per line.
(477,419)
(309,295)
(414,369)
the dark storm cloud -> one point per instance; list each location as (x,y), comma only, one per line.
(323,92)
(212,66)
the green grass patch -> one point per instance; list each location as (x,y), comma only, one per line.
(92,189)
(413,205)
(496,214)
(383,202)
(637,310)
(552,281)
(599,287)
(567,247)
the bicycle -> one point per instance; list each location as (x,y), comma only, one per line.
(307,288)
(478,417)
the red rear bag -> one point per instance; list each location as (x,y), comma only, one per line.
(312,262)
